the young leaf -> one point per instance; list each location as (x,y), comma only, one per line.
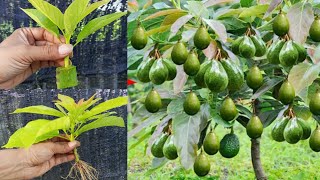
(164,13)
(50,11)
(92,7)
(40,110)
(42,20)
(97,24)
(272,6)
(158,30)
(218,28)
(53,125)
(256,11)
(179,23)
(180,80)
(102,122)
(73,15)
(67,102)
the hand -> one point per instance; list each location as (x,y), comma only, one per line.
(29,163)
(26,51)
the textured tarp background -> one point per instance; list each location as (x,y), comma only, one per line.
(101,63)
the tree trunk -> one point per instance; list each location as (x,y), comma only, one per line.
(256,161)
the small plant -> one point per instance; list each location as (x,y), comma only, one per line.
(53,20)
(72,119)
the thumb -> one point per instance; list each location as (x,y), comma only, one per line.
(64,147)
(48,52)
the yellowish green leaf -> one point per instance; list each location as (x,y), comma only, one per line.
(40,110)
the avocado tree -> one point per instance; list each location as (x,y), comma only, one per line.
(219,62)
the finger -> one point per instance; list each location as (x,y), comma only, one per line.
(62,158)
(43,43)
(64,147)
(62,39)
(47,53)
(40,34)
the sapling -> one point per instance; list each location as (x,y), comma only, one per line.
(72,119)
(53,20)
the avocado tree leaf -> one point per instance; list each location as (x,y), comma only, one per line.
(39,110)
(97,24)
(179,23)
(254,11)
(156,164)
(158,30)
(266,86)
(42,20)
(186,130)
(180,80)
(246,3)
(101,122)
(67,102)
(93,7)
(164,13)
(217,119)
(73,15)
(272,6)
(300,18)
(62,123)
(26,136)
(215,2)
(218,28)
(50,11)
(197,8)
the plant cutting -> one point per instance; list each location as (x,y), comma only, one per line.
(72,119)
(53,20)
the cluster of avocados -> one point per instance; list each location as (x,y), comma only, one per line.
(164,147)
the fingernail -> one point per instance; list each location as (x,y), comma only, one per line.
(72,144)
(65,49)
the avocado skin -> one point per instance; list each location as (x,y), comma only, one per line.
(216,78)
(169,149)
(314,104)
(286,93)
(260,46)
(314,141)
(247,48)
(228,110)
(289,54)
(172,69)
(254,78)
(202,38)
(199,77)
(306,129)
(157,146)
(139,39)
(314,31)
(179,53)
(278,129)
(235,74)
(302,52)
(293,131)
(153,101)
(211,143)
(281,25)
(144,69)
(274,51)
(254,127)
(236,44)
(159,72)
(191,105)
(229,146)
(192,65)
(201,165)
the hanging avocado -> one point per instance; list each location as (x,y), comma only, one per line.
(236,44)
(302,52)
(314,141)
(202,38)
(169,149)
(280,24)
(260,46)
(139,38)
(228,110)
(278,129)
(254,78)
(314,31)
(153,101)
(211,143)
(235,74)
(159,72)
(216,78)
(157,146)
(314,104)
(286,93)
(274,51)
(229,145)
(289,54)
(293,132)
(247,48)
(191,104)
(172,69)
(199,77)
(192,65)
(179,53)
(254,127)
(201,165)
(144,69)
(306,129)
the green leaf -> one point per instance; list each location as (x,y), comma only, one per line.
(246,3)
(42,20)
(67,102)
(50,11)
(158,30)
(62,123)
(105,106)
(217,119)
(266,86)
(254,11)
(164,13)
(97,24)
(73,15)
(40,110)
(93,7)
(102,122)
(156,164)
(218,28)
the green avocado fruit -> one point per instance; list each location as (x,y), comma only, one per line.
(157,146)
(229,146)
(202,38)
(247,48)
(254,78)
(305,128)
(216,78)
(278,128)
(192,65)
(314,141)
(211,143)
(228,110)
(293,132)
(260,46)
(254,127)
(314,31)
(236,44)
(153,101)
(144,69)
(179,53)
(139,38)
(191,104)
(314,104)
(235,74)
(169,149)
(280,24)
(302,52)
(274,51)
(159,72)
(172,69)
(288,55)
(199,77)
(286,93)
(201,165)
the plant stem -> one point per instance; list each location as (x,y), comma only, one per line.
(66,61)
(75,151)
(256,161)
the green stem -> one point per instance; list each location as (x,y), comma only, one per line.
(77,157)
(66,61)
